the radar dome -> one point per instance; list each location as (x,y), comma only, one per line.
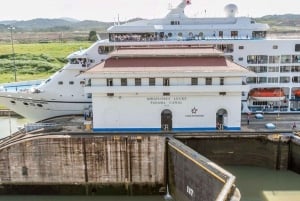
(231,10)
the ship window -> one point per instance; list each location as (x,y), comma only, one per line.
(295,69)
(151,81)
(272,79)
(241,47)
(103,49)
(285,69)
(89,95)
(297,48)
(71,82)
(179,34)
(251,80)
(222,93)
(39,105)
(241,58)
(273,69)
(60,83)
(175,22)
(234,34)
(194,81)
(123,82)
(201,35)
(274,59)
(166,81)
(170,34)
(110,94)
(13,102)
(295,58)
(25,103)
(208,81)
(166,94)
(296,79)
(286,59)
(262,80)
(221,34)
(275,47)
(109,82)
(138,81)
(221,80)
(284,79)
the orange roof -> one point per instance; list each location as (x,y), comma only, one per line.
(167,60)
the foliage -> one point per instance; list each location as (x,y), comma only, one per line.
(35,61)
(92,36)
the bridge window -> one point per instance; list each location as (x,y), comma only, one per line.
(60,83)
(297,48)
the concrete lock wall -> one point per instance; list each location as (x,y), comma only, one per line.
(295,155)
(192,177)
(262,151)
(84,165)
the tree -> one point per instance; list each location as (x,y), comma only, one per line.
(92,36)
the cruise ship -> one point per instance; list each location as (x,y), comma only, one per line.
(276,62)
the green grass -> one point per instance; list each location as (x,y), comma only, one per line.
(52,49)
(35,61)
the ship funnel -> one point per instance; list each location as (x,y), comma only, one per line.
(231,10)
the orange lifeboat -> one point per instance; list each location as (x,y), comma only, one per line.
(267,94)
(297,93)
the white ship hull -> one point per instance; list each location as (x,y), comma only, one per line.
(40,109)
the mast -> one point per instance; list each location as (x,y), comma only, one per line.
(179,10)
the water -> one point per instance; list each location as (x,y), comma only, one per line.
(255,184)
(7,124)
(261,184)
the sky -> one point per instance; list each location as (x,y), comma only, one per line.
(109,10)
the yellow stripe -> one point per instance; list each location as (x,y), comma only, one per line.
(199,164)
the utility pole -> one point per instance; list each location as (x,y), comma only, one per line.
(11,28)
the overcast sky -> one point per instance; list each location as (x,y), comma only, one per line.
(108,10)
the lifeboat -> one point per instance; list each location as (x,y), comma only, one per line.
(267,94)
(297,93)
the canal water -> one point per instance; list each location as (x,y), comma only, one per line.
(255,184)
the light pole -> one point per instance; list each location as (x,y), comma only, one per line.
(11,28)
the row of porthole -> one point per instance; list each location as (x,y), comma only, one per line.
(25,103)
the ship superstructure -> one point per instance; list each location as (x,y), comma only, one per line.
(276,62)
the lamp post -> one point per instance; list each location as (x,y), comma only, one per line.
(11,28)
